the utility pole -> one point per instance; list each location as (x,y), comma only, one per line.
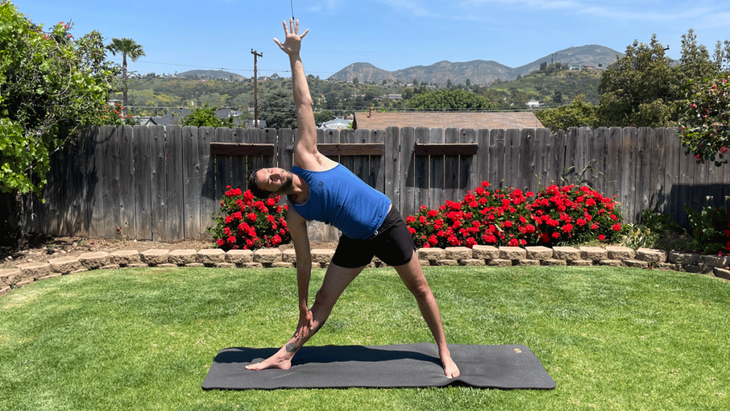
(256,56)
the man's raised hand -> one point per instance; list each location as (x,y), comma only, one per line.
(293,41)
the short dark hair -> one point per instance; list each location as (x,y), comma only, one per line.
(254,187)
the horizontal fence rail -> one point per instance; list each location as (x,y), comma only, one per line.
(164,183)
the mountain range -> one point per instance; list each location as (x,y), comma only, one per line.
(216,74)
(478,71)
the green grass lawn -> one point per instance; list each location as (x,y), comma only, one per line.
(611,338)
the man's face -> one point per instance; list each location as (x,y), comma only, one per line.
(274,179)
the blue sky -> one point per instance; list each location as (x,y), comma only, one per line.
(391,34)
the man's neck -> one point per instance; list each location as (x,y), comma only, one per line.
(299,191)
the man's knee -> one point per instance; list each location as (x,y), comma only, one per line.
(419,290)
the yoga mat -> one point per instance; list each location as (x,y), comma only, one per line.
(388,366)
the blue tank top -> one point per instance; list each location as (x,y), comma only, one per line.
(340,198)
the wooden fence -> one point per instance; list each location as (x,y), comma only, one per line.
(157,183)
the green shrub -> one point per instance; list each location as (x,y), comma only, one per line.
(710,228)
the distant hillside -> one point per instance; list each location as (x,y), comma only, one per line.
(217,74)
(478,71)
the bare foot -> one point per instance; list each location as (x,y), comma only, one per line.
(275,361)
(450,368)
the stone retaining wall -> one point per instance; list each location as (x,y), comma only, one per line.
(453,256)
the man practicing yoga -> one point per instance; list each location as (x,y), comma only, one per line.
(323,190)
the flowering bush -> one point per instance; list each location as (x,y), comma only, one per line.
(511,218)
(114,116)
(705,129)
(245,222)
(710,228)
(572,214)
(482,217)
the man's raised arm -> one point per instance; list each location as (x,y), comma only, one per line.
(305,145)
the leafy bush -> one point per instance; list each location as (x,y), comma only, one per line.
(705,129)
(558,215)
(656,230)
(205,117)
(572,214)
(52,85)
(710,228)
(247,223)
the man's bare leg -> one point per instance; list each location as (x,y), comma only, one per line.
(335,281)
(412,276)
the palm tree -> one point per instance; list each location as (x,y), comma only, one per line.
(127,47)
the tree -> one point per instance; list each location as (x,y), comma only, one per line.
(205,117)
(356,81)
(450,100)
(645,88)
(639,89)
(578,113)
(278,110)
(558,97)
(127,47)
(51,86)
(323,116)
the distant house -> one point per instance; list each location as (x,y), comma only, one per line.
(336,124)
(372,120)
(250,124)
(533,104)
(172,118)
(395,97)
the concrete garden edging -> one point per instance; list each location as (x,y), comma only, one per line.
(479,255)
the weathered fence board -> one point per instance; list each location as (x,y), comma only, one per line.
(467,170)
(496,159)
(421,170)
(158,175)
(164,184)
(191,183)
(110,179)
(526,168)
(392,176)
(208,202)
(376,173)
(143,200)
(451,167)
(407,171)
(436,170)
(127,192)
(483,157)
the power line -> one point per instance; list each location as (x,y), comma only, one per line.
(220,68)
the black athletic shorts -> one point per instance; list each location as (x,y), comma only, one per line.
(391,243)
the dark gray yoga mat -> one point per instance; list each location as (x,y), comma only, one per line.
(389,366)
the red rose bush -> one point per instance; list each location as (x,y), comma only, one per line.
(572,214)
(557,215)
(247,223)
